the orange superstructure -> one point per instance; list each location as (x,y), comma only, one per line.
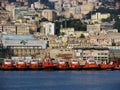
(105,65)
(34,64)
(116,65)
(21,64)
(7,64)
(91,64)
(62,64)
(47,62)
(74,64)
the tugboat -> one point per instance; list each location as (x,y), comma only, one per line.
(34,64)
(105,65)
(7,64)
(74,64)
(48,63)
(21,64)
(90,64)
(62,64)
(116,65)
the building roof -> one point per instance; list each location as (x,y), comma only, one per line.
(17,37)
(24,43)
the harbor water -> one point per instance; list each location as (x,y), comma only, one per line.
(59,80)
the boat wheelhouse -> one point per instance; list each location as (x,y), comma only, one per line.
(21,64)
(7,64)
(74,63)
(34,64)
(62,64)
(48,63)
(91,64)
(105,65)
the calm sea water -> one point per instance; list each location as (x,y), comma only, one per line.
(60,80)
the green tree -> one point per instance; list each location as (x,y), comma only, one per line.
(57,27)
(62,33)
(117,25)
(82,36)
(109,19)
(75,23)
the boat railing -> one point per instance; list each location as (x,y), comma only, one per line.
(20,62)
(61,61)
(8,61)
(34,61)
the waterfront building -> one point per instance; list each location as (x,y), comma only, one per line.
(25,45)
(61,52)
(99,54)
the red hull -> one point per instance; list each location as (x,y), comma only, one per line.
(74,66)
(90,66)
(64,66)
(48,65)
(34,66)
(47,62)
(7,66)
(116,64)
(117,68)
(106,66)
(21,66)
